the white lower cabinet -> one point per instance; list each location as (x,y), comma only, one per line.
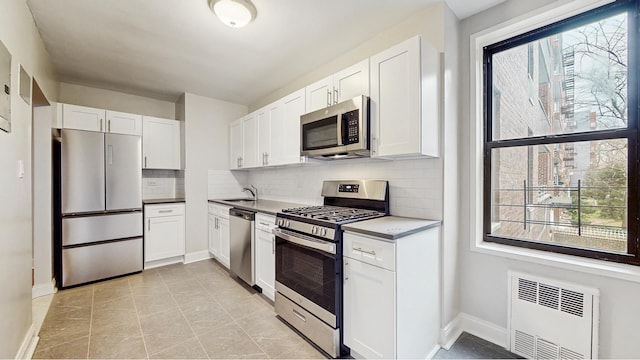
(164,232)
(391,295)
(265,255)
(369,294)
(219,233)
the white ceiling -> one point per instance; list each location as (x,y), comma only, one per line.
(162,48)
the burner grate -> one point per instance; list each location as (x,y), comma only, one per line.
(333,213)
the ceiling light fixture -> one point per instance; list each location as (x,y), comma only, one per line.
(233,13)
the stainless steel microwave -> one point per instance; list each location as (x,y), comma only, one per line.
(338,131)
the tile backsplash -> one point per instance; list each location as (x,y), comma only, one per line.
(161,184)
(415,186)
(225,184)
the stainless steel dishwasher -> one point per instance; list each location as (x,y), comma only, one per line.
(241,244)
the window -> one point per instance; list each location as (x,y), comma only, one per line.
(562,175)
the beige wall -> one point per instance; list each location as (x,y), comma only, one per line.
(428,22)
(20,36)
(207,138)
(113,100)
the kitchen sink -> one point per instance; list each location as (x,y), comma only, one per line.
(239,200)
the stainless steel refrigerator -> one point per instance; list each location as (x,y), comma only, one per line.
(97,205)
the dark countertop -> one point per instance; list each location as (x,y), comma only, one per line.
(162,201)
(264,206)
(391,227)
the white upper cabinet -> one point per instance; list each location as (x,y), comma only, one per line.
(285,130)
(320,94)
(405,100)
(82,117)
(92,119)
(249,141)
(351,82)
(343,85)
(235,144)
(123,123)
(268,115)
(269,136)
(160,143)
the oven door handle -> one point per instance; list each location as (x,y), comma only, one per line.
(325,246)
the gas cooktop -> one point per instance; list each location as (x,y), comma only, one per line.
(333,214)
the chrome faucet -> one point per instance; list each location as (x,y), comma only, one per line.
(254,192)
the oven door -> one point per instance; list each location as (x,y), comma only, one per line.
(307,272)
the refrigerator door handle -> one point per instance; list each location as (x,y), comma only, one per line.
(110,154)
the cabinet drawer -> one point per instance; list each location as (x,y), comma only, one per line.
(370,250)
(219,210)
(151,211)
(265,222)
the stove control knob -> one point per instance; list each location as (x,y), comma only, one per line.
(314,230)
(324,232)
(288,223)
(280,222)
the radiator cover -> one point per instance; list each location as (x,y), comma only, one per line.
(551,319)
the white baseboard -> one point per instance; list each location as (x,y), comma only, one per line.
(28,346)
(481,328)
(433,352)
(39,290)
(196,256)
(163,262)
(451,333)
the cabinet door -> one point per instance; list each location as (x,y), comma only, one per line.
(82,118)
(319,94)
(263,120)
(351,82)
(235,144)
(395,100)
(223,227)
(214,237)
(249,141)
(160,143)
(285,142)
(164,237)
(369,310)
(266,263)
(123,123)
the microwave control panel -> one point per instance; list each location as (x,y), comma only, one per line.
(351,127)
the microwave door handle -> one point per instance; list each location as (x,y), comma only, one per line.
(341,137)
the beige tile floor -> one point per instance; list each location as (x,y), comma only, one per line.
(194,311)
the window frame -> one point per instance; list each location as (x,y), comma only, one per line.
(630,132)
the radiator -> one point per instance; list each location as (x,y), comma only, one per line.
(550,319)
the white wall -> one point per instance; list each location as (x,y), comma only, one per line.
(207,148)
(42,202)
(450,285)
(20,36)
(117,101)
(484,277)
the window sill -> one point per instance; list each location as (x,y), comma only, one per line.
(568,262)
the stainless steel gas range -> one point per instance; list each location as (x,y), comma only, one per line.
(309,258)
